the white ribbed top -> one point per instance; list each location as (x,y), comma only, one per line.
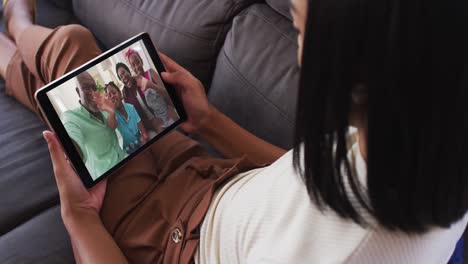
(266,216)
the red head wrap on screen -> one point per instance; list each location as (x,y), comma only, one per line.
(130,52)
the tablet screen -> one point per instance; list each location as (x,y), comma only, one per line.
(112,109)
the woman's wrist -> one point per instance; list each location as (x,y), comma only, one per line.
(75,218)
(208,123)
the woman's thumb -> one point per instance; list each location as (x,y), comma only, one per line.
(56,154)
(48,136)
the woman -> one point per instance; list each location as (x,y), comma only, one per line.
(128,121)
(151,84)
(132,94)
(398,195)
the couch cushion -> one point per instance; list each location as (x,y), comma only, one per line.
(27,184)
(256,77)
(190,31)
(40,240)
(61,10)
(281,6)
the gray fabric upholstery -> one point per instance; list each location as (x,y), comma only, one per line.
(255,81)
(61,10)
(29,231)
(63,5)
(41,240)
(281,6)
(26,180)
(190,31)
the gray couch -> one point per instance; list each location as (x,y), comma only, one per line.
(244,51)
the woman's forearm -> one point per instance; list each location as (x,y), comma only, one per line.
(91,241)
(232,141)
(75,252)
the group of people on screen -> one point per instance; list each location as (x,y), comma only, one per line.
(138,111)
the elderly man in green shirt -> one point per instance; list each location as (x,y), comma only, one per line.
(92,128)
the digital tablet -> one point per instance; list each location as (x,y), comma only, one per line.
(110,109)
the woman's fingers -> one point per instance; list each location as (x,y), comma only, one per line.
(58,158)
(170,64)
(62,169)
(177,75)
(177,79)
(169,77)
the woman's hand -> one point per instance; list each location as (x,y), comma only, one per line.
(75,199)
(192,93)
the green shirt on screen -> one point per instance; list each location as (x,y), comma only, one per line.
(98,143)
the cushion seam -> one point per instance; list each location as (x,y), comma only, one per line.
(222,28)
(240,76)
(231,15)
(263,18)
(166,26)
(219,42)
(279,10)
(32,216)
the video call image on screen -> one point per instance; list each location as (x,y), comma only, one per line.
(113,108)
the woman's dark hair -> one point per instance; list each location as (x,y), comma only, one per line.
(413,58)
(121,65)
(111,83)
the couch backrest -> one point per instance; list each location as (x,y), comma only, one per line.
(281,6)
(190,31)
(244,52)
(256,77)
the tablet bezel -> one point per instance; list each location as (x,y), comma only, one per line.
(57,126)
